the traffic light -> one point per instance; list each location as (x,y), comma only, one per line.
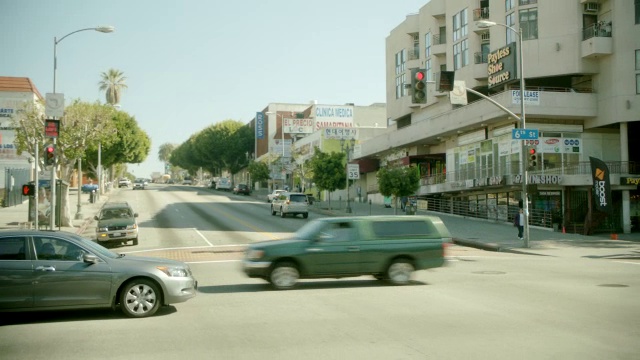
(419,86)
(28,190)
(445,81)
(49,155)
(533,158)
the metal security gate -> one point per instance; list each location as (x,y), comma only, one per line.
(13,181)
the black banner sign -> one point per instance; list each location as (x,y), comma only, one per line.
(601,185)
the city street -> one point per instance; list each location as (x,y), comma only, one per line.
(572,302)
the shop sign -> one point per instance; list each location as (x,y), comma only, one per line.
(624,180)
(539,179)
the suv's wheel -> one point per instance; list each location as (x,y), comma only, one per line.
(282,214)
(305,215)
(284,276)
(140,298)
(273,212)
(135,241)
(399,272)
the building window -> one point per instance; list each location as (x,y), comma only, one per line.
(460,32)
(529,24)
(416,47)
(461,54)
(510,20)
(401,57)
(637,9)
(508,5)
(460,25)
(465,52)
(427,45)
(637,68)
(427,67)
(528,2)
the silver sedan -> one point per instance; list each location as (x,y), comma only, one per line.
(43,270)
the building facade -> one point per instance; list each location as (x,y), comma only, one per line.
(581,63)
(15,169)
(287,134)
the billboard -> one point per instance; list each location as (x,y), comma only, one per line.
(259,125)
(298,126)
(333,116)
(501,66)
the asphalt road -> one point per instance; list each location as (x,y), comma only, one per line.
(573,304)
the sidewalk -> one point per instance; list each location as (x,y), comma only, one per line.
(14,217)
(486,234)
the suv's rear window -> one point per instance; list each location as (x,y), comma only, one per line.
(298,198)
(408,228)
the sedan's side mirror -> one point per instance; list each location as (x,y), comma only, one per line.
(90,258)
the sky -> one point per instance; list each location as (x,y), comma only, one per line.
(190,64)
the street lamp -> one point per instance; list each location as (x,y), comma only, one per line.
(347,147)
(523,169)
(52,219)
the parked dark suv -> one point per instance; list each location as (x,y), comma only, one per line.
(242,189)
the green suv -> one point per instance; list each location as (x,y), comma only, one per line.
(387,247)
(117,224)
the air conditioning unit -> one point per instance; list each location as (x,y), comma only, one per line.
(591,7)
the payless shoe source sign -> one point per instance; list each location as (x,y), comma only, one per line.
(601,185)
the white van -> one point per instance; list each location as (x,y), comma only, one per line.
(224,184)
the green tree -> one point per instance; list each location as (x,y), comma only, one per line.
(83,126)
(183,157)
(113,83)
(164,153)
(399,182)
(258,171)
(328,170)
(123,143)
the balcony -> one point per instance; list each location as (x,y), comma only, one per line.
(596,40)
(481,14)
(480,57)
(439,44)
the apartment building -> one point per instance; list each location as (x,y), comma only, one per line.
(581,63)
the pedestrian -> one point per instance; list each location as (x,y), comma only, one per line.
(518,222)
(403,203)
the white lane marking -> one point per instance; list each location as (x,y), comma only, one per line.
(211,262)
(628,262)
(202,236)
(182,248)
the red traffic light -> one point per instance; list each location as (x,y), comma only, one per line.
(532,151)
(420,75)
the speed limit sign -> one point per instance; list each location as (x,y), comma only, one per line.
(353,171)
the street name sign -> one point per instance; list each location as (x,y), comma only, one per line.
(524,134)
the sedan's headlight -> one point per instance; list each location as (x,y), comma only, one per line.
(253,254)
(174,271)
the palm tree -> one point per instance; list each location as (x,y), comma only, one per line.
(112,83)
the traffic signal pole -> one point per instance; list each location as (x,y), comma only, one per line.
(52,215)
